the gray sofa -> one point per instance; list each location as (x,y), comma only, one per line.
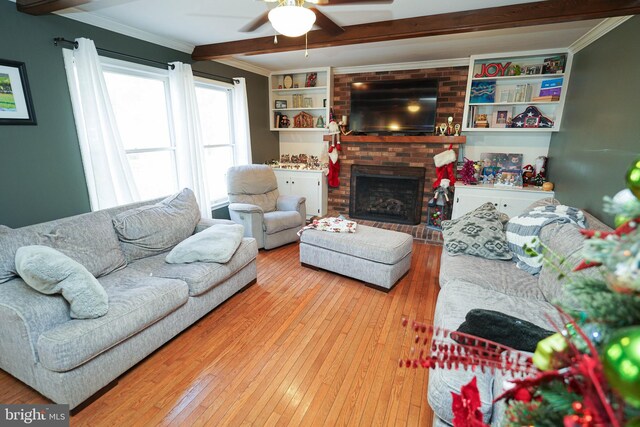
(469,282)
(150,301)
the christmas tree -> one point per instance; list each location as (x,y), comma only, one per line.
(588,373)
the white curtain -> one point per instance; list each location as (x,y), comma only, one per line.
(186,123)
(241,122)
(109,178)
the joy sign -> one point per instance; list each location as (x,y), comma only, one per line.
(494,69)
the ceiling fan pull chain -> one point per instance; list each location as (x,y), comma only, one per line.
(306,45)
(275,39)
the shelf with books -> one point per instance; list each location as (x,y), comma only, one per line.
(299,100)
(499,89)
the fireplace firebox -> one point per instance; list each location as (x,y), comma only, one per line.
(386,193)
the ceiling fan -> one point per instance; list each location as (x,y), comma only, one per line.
(292,13)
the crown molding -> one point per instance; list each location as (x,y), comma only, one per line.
(108,24)
(596,32)
(243,65)
(417,65)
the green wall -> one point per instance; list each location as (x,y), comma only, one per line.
(41,174)
(600,131)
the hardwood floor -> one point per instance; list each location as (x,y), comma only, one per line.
(299,348)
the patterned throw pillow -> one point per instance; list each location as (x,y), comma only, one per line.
(479,233)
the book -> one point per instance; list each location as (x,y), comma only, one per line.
(553,91)
(551,83)
(554,64)
(549,98)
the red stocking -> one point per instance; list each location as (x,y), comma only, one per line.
(334,166)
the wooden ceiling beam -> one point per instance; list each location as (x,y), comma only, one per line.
(42,7)
(494,18)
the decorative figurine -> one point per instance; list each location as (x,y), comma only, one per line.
(449,126)
(443,129)
(457,129)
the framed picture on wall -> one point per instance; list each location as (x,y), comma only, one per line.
(16,106)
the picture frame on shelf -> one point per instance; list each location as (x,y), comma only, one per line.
(531,122)
(311,80)
(16,105)
(501,117)
(287,81)
(307,103)
(280,104)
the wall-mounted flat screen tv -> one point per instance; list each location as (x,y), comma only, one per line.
(394,106)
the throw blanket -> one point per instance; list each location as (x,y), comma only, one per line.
(334,225)
(524,230)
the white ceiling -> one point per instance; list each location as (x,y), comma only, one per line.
(183,24)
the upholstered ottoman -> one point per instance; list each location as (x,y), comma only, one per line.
(375,256)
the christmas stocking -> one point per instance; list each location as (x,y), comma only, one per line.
(444,167)
(334,166)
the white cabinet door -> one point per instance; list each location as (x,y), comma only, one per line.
(466,201)
(284,182)
(310,184)
(307,186)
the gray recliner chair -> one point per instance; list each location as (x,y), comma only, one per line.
(272,219)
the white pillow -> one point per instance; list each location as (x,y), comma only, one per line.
(217,243)
(51,272)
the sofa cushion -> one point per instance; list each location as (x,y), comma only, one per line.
(281,220)
(90,240)
(199,276)
(454,302)
(51,272)
(565,241)
(497,275)
(217,243)
(153,229)
(135,302)
(10,241)
(370,243)
(479,233)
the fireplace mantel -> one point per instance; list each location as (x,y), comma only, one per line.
(400,139)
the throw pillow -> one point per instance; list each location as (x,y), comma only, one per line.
(51,272)
(217,243)
(503,329)
(479,233)
(90,240)
(153,229)
(10,241)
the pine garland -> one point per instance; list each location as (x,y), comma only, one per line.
(603,305)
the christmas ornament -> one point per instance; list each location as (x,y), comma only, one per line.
(633,178)
(544,356)
(621,219)
(621,361)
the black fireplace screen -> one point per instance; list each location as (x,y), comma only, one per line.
(386,193)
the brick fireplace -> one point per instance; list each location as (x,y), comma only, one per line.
(397,151)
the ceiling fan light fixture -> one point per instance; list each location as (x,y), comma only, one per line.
(292,20)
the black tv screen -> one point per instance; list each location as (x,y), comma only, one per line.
(394,106)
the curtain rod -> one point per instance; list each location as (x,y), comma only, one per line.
(58,40)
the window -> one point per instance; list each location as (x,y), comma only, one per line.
(216,124)
(140,103)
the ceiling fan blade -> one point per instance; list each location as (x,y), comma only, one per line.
(347,2)
(326,23)
(256,23)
